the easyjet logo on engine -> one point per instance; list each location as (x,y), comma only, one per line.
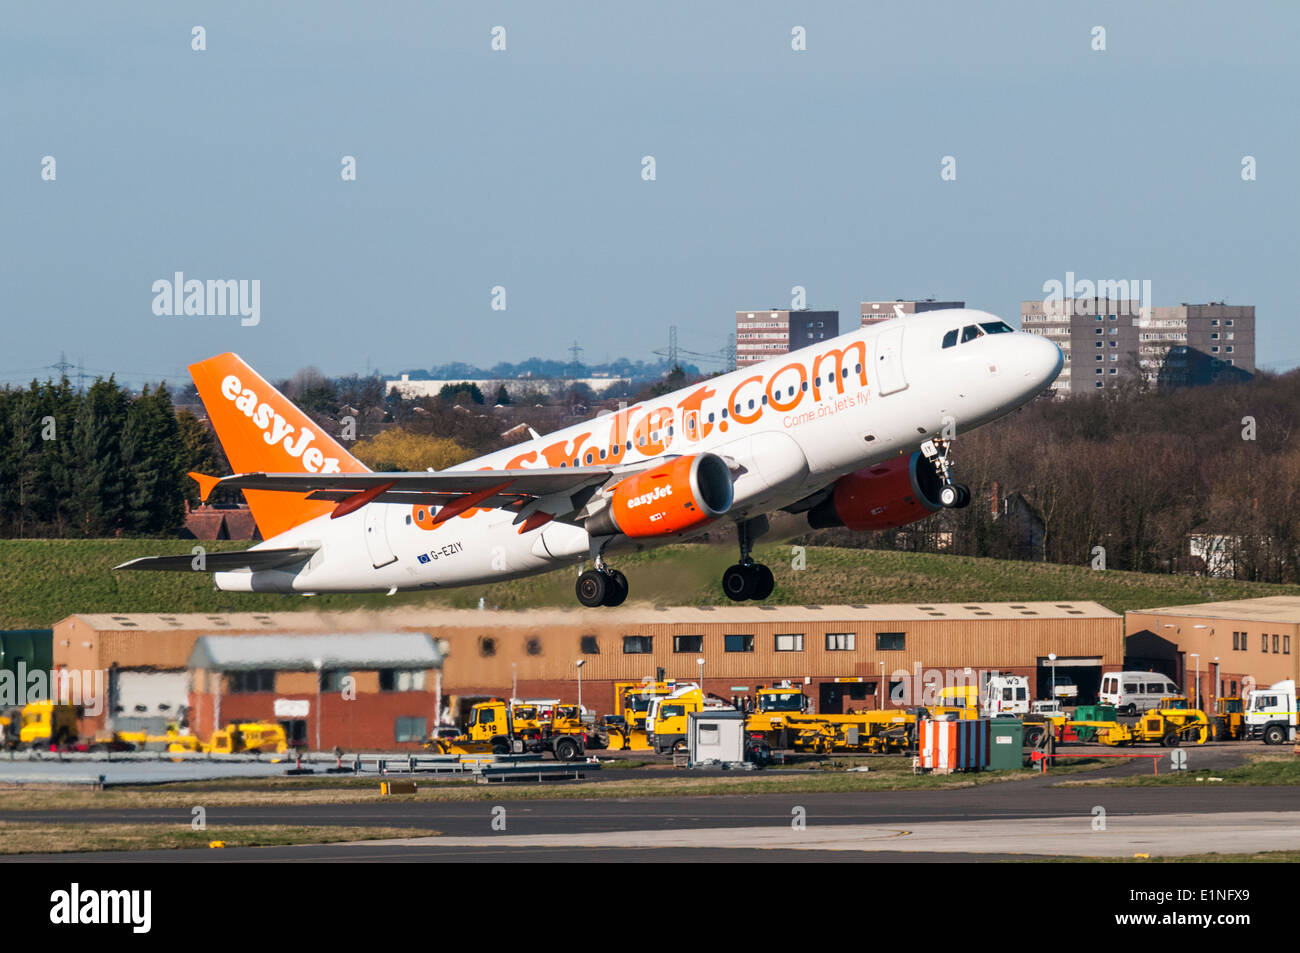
(275,429)
(657,493)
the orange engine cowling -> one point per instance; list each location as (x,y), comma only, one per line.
(672,497)
(884,496)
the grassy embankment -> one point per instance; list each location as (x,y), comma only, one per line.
(42,581)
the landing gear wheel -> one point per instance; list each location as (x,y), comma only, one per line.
(615,589)
(593,588)
(739,582)
(764,583)
(955,496)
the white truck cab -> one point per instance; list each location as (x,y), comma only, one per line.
(1006,695)
(1271,713)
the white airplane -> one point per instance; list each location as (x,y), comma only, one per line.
(855,432)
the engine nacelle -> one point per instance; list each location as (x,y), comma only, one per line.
(884,496)
(677,495)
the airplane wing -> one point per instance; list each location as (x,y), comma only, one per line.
(455,491)
(251,559)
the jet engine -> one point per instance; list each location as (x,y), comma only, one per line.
(672,497)
(884,496)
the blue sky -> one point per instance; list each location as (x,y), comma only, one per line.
(522,168)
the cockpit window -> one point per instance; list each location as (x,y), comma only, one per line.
(997,327)
(950,339)
(970,333)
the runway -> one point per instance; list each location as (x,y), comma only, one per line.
(1027,818)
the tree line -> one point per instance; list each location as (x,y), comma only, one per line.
(102,462)
(1121,479)
(1124,480)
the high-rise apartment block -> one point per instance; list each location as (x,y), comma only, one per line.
(1106,341)
(764,334)
(873,312)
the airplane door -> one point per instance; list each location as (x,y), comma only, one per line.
(381,554)
(889,362)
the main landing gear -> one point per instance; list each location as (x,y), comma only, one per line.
(602,586)
(748,579)
(954,496)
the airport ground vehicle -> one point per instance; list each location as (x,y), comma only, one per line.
(493,722)
(1170,727)
(771,709)
(1063,687)
(666,721)
(1227,721)
(632,699)
(1132,692)
(39,724)
(1091,713)
(248,737)
(874,731)
(1271,714)
(1005,695)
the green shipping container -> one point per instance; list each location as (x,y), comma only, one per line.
(1006,737)
(34,648)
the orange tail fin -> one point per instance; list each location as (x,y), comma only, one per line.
(262,431)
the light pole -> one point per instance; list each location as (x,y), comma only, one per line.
(880,688)
(581,662)
(1051,657)
(1197,667)
(1218,678)
(700,663)
(317,664)
(514,682)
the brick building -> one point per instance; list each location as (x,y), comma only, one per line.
(1228,645)
(764,334)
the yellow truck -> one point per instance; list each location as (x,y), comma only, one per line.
(666,719)
(493,722)
(772,710)
(39,724)
(632,700)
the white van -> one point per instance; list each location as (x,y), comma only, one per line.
(1133,692)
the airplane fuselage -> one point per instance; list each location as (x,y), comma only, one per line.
(787,427)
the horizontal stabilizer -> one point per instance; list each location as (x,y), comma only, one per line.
(250,559)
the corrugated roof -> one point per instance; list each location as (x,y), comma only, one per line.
(226,653)
(1283,609)
(432,617)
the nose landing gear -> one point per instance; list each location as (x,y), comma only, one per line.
(954,496)
(748,579)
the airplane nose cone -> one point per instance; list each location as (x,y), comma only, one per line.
(1041,360)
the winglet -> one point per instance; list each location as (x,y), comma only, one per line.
(206,484)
